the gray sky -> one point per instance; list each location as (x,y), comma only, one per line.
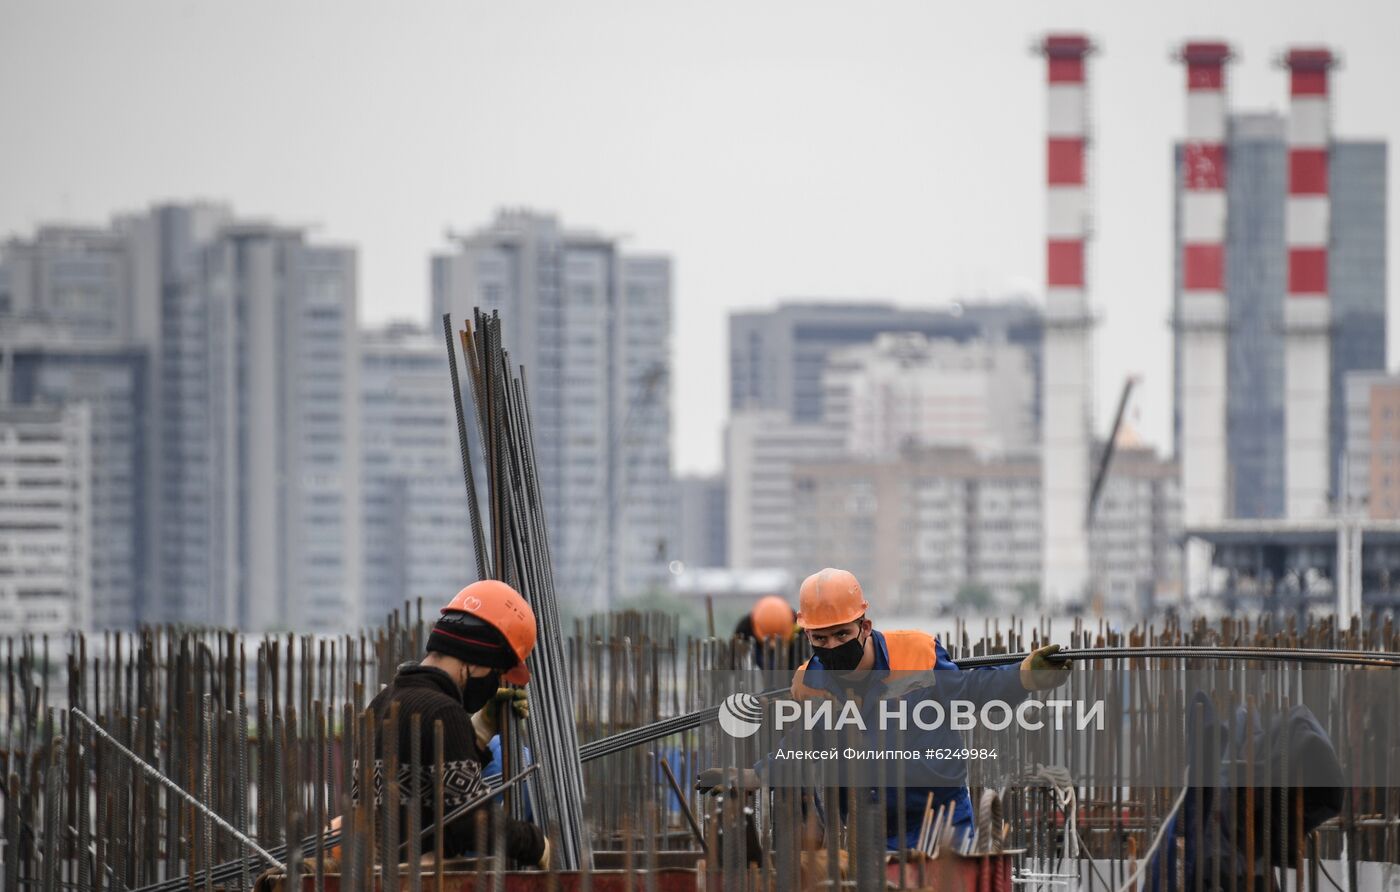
(888,150)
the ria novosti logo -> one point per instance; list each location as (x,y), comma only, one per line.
(741,715)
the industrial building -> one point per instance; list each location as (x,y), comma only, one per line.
(1255,273)
(1279,316)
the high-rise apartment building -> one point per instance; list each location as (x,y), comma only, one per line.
(1134,541)
(283,508)
(904,390)
(761,448)
(943,530)
(45,534)
(777,357)
(253,482)
(810,381)
(44,367)
(1371,484)
(700,538)
(417,533)
(1256,286)
(171,322)
(67,318)
(73,278)
(591,325)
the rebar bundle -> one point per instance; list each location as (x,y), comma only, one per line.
(514,548)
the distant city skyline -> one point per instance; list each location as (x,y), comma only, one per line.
(793,151)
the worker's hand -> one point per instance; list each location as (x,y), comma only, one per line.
(1040,673)
(545,856)
(721,780)
(486,721)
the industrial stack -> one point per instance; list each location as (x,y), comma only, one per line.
(1307,315)
(1068,358)
(1204,316)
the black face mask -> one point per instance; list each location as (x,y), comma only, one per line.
(477,692)
(843,657)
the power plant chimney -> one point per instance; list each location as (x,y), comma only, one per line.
(1307,314)
(1203,314)
(1067,371)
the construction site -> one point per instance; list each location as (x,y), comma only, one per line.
(501,739)
(1250,753)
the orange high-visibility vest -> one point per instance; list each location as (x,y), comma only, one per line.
(909,651)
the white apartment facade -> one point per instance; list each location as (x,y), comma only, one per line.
(45,529)
(762,447)
(906,390)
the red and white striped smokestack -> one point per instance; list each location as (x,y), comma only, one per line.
(1307,310)
(1203,311)
(1066,140)
(1067,379)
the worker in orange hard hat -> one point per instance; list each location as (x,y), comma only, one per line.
(482,638)
(772,624)
(832,612)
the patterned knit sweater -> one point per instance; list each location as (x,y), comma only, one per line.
(430,693)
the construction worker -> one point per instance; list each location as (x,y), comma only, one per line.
(481,639)
(832,612)
(772,624)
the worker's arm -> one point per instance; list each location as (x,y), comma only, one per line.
(978,685)
(462,782)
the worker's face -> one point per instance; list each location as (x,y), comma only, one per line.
(835,636)
(468,671)
(479,685)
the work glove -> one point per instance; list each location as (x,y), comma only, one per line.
(486,721)
(1040,673)
(720,780)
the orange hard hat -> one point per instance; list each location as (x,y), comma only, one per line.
(501,607)
(772,617)
(830,597)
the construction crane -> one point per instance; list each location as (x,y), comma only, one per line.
(1106,459)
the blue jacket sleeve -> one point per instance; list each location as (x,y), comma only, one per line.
(978,685)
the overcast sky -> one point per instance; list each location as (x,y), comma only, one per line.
(886,150)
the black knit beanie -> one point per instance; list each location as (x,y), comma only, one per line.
(471,640)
